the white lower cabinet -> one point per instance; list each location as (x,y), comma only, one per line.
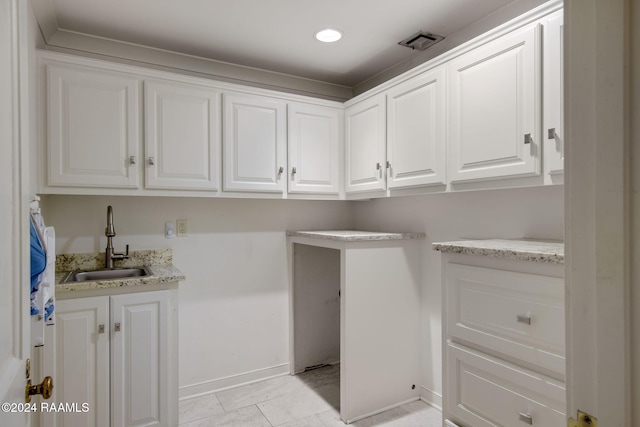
(117,354)
(503,352)
(81,362)
(486,392)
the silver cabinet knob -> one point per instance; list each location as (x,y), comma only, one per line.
(293,171)
(132,160)
(116,327)
(152,161)
(528,139)
(524,319)
(101,329)
(280,170)
(525,418)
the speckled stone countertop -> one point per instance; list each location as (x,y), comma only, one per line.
(546,251)
(160,262)
(355,236)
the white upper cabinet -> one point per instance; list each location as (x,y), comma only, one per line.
(553,130)
(416,120)
(254,129)
(93,127)
(365,145)
(494,114)
(314,148)
(182,144)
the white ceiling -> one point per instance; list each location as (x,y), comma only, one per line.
(275,35)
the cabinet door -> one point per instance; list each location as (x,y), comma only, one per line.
(93,127)
(416,146)
(139,359)
(182,143)
(553,99)
(82,363)
(254,143)
(516,314)
(365,140)
(494,109)
(484,391)
(314,143)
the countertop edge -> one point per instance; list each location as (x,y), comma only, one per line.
(516,249)
(355,236)
(161,274)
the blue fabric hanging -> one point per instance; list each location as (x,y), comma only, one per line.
(38,264)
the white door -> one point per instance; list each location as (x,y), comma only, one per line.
(553,129)
(182,136)
(14,231)
(140,359)
(602,170)
(255,143)
(93,129)
(494,114)
(314,143)
(416,145)
(365,145)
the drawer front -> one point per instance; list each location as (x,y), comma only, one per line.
(484,391)
(515,314)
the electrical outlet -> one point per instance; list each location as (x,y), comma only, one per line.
(181,227)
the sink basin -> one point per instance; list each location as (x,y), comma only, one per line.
(106,274)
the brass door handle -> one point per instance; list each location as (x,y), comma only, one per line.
(45,388)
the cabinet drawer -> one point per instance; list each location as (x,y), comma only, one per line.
(486,391)
(515,314)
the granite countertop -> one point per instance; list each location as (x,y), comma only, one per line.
(546,251)
(160,262)
(354,236)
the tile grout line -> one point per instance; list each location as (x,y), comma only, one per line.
(263,415)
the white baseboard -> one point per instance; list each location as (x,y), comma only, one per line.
(431,397)
(219,384)
(381,410)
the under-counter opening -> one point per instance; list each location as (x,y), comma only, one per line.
(316,307)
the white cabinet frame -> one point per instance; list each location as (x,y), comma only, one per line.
(182,138)
(315,139)
(93,127)
(416,131)
(365,145)
(494,114)
(255,144)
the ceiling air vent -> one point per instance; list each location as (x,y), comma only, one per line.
(421,40)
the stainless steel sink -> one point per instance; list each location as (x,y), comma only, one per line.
(106,274)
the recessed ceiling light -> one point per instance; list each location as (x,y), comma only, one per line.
(328,35)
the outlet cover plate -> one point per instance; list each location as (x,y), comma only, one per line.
(181,227)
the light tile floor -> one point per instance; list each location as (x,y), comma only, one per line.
(311,399)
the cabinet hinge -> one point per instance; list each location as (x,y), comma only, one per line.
(584,420)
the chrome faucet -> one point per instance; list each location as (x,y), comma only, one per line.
(110,232)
